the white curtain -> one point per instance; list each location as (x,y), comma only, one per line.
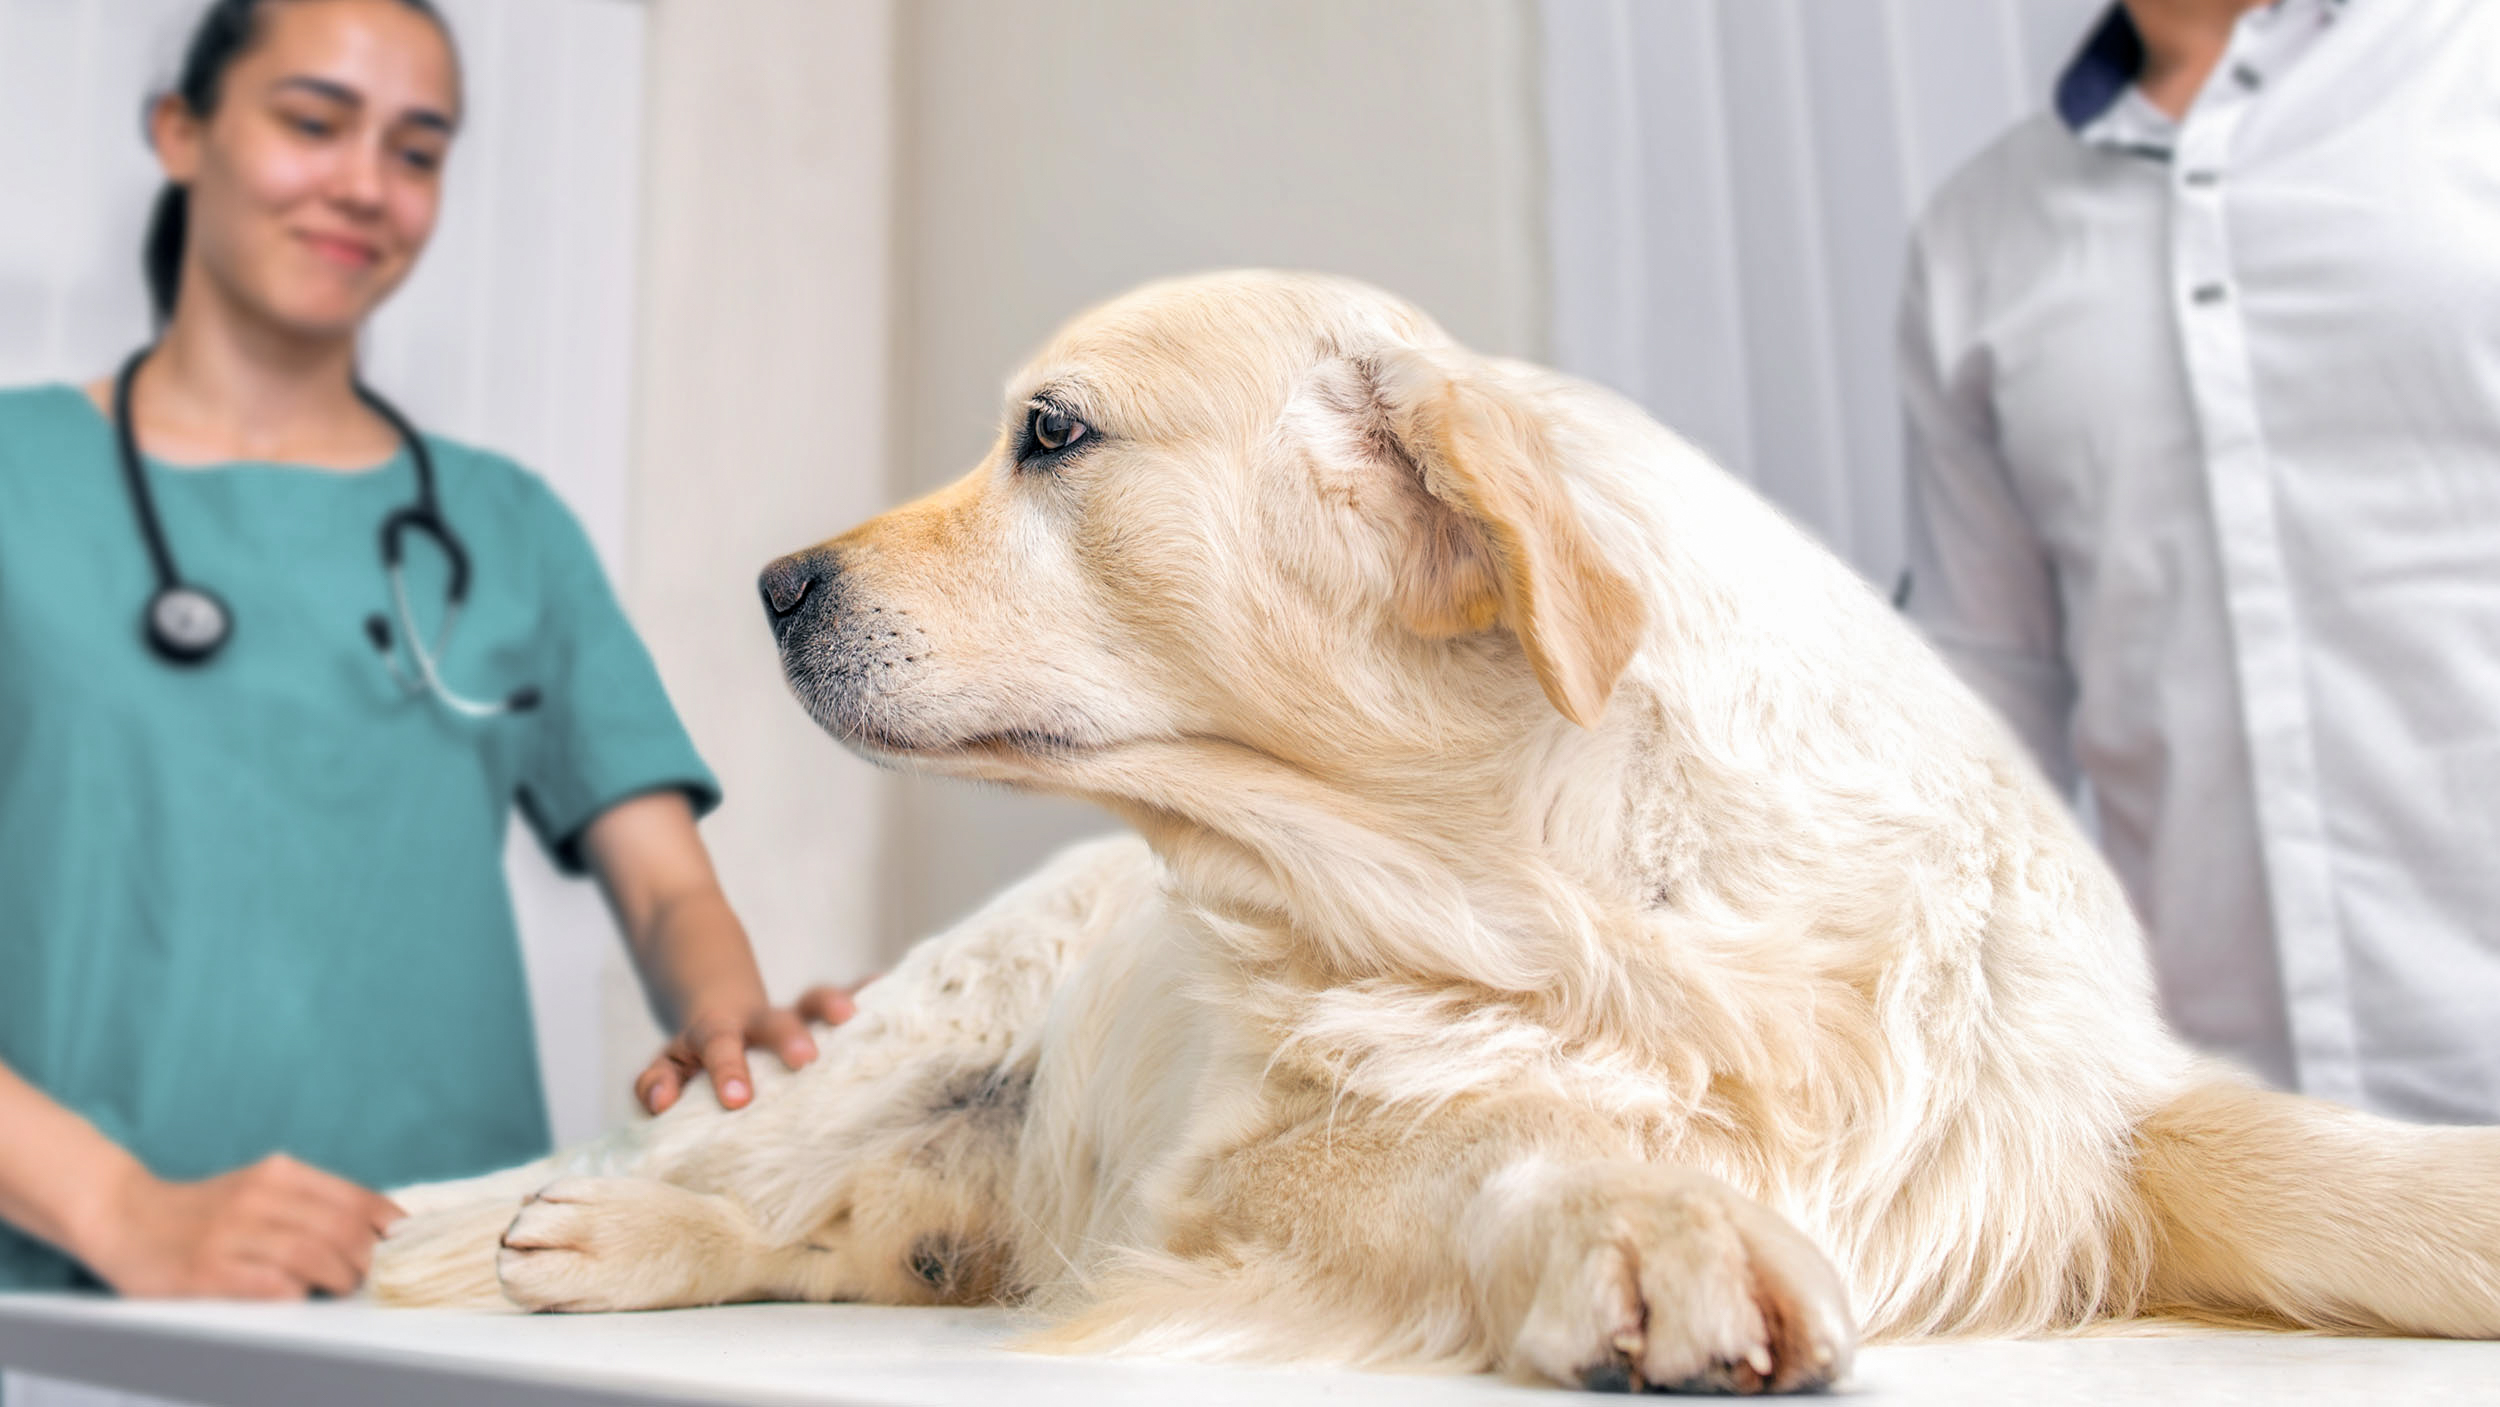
(1730,185)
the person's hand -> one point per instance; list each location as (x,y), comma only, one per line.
(716,1045)
(276,1230)
(829,1004)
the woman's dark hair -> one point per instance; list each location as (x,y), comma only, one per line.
(226,32)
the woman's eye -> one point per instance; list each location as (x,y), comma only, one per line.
(310,126)
(421,160)
(1054,429)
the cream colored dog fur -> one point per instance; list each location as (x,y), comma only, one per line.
(1572,928)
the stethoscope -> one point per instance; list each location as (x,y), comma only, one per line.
(187,625)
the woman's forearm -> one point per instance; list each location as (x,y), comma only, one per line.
(688,947)
(58,1173)
(691,952)
(694,959)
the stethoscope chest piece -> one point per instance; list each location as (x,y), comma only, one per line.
(186,625)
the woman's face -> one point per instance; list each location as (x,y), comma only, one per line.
(315,179)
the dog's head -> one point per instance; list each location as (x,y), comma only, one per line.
(1243,517)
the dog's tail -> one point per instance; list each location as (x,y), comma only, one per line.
(2276,1206)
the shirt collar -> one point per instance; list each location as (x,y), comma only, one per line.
(2103,72)
(2097,97)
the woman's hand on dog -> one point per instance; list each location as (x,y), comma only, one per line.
(715,1044)
(276,1230)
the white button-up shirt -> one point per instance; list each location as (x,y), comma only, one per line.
(2205,495)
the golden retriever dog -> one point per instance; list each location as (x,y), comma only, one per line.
(1572,927)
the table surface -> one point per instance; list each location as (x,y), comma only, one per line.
(869,1356)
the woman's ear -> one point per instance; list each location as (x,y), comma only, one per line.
(174,130)
(1498,538)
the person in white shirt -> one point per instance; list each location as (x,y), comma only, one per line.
(2202,371)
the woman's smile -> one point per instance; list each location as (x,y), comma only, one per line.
(345,251)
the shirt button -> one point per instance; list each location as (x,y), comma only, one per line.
(2247,77)
(2209,293)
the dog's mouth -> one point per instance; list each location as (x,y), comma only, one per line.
(1106,770)
(1002,744)
(1014,755)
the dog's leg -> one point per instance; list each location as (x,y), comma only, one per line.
(1516,1237)
(896,1194)
(2291,1208)
(909,1208)
(877,1173)
(609,1243)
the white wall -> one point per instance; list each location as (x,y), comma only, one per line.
(1732,182)
(75,179)
(516,331)
(760,427)
(1053,155)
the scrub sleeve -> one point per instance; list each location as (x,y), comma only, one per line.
(603,731)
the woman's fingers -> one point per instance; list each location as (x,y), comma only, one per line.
(325,1225)
(383,1212)
(263,1228)
(333,1235)
(725,1060)
(308,1261)
(658,1085)
(362,1206)
(784,1034)
(705,1049)
(830,1004)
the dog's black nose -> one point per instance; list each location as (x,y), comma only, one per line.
(787,583)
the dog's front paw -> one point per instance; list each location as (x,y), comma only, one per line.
(570,1250)
(1670,1281)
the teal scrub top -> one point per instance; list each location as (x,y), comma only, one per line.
(259,905)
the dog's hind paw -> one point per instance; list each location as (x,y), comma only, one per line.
(1670,1281)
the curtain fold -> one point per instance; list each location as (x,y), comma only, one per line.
(1729,186)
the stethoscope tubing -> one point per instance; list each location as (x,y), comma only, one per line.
(134,474)
(520,701)
(194,637)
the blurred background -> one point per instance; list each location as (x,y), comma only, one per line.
(735,274)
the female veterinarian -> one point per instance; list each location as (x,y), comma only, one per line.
(277,670)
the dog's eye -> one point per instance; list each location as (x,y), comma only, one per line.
(1048,430)
(1056,430)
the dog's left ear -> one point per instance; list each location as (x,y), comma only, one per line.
(1500,539)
